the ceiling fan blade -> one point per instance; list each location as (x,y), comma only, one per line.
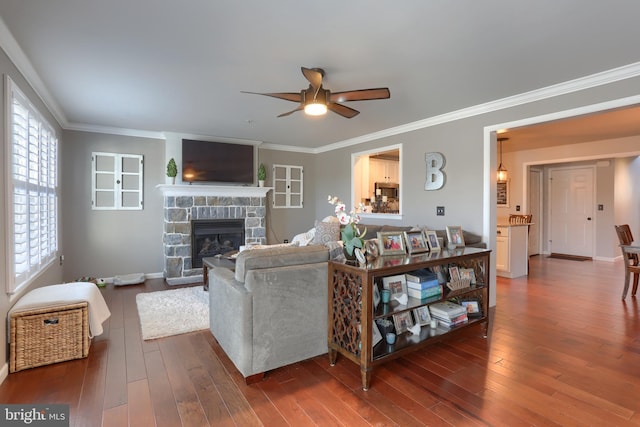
(361,95)
(288,96)
(343,110)
(314,75)
(300,108)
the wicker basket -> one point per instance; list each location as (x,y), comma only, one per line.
(48,335)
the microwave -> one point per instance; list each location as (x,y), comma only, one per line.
(388,189)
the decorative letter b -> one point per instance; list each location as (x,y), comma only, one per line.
(435,176)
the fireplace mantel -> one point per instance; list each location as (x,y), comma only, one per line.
(212,190)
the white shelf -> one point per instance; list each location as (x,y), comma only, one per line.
(177,190)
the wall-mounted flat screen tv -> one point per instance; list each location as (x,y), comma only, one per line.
(208,161)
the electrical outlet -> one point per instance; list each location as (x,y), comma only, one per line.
(61,259)
(600,207)
(517,208)
(440,210)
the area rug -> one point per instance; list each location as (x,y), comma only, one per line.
(173,312)
(570,257)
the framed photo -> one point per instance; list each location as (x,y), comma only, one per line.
(468,273)
(416,242)
(473,307)
(402,322)
(454,235)
(422,315)
(396,284)
(432,240)
(391,243)
(376,336)
(376,296)
(454,273)
(502,188)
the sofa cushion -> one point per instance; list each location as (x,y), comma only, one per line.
(392,228)
(279,256)
(371,230)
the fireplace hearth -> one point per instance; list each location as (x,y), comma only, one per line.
(211,237)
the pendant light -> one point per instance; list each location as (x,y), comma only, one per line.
(502,172)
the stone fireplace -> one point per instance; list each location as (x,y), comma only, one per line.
(185,205)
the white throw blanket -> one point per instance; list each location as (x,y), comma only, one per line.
(68,293)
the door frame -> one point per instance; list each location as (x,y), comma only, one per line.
(540,205)
(594,180)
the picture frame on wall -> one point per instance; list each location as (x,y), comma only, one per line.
(432,240)
(391,243)
(416,242)
(502,188)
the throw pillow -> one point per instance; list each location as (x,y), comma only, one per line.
(326,232)
(303,239)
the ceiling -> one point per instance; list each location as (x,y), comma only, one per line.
(168,66)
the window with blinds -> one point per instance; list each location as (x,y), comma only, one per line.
(33,183)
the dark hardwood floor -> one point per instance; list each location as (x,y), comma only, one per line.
(563,350)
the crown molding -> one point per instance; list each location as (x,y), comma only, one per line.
(115,131)
(15,53)
(292,148)
(582,83)
(22,63)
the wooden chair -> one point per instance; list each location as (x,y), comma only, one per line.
(630,259)
(520,219)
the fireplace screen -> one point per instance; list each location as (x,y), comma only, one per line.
(211,237)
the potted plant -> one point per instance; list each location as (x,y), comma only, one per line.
(262,174)
(172,170)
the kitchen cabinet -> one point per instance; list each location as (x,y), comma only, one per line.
(512,243)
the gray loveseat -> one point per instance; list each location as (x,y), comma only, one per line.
(470,239)
(272,311)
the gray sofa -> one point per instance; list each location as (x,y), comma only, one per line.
(470,239)
(272,311)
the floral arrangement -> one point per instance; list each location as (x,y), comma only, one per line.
(351,237)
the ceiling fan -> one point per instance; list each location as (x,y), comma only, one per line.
(316,100)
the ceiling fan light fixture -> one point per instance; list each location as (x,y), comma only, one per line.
(315,108)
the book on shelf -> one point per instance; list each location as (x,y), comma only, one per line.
(434,291)
(423,285)
(447,308)
(421,275)
(451,320)
(446,324)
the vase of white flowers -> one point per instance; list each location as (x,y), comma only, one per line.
(351,236)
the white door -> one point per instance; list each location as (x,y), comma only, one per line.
(571,211)
(535,201)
